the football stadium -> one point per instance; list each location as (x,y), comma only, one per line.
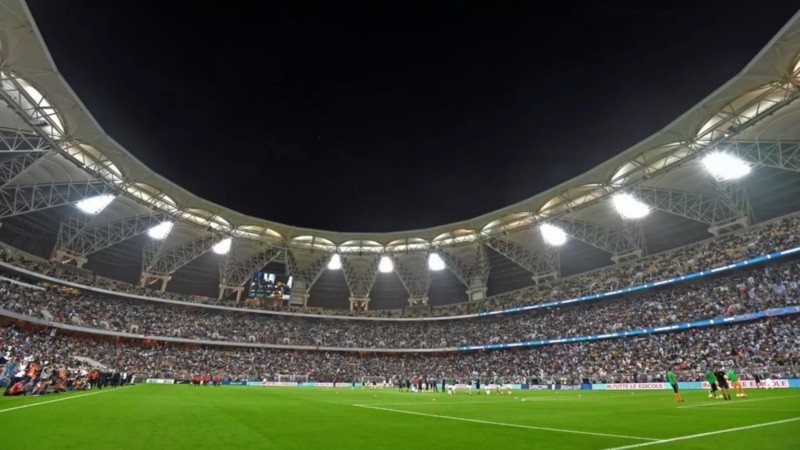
(651,301)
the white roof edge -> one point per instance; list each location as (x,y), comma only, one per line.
(764,67)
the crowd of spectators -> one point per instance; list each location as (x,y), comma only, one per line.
(779,235)
(765,238)
(771,285)
(767,347)
(28,368)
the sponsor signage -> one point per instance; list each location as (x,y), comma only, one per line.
(636,386)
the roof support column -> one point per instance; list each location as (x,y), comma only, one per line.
(735,197)
(632,232)
(149,278)
(305,269)
(225,289)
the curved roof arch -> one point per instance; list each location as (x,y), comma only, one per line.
(762,82)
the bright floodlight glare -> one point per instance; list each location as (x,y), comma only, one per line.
(335,263)
(630,208)
(222,247)
(725,167)
(435,262)
(553,235)
(93,205)
(386,265)
(161,230)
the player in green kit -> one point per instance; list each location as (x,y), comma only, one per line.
(712,381)
(674,383)
(735,383)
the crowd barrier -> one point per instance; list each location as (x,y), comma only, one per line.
(748,384)
(640,331)
(779,383)
(650,285)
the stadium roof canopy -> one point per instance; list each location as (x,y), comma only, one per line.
(53,152)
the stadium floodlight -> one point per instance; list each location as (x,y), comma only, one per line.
(552,234)
(335,263)
(628,207)
(386,265)
(435,262)
(724,166)
(93,205)
(161,230)
(223,247)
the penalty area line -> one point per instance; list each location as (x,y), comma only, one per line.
(452,400)
(503,424)
(31,405)
(736,402)
(710,433)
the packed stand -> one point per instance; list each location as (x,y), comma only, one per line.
(758,240)
(768,347)
(769,286)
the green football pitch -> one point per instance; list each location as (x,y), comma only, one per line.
(183,416)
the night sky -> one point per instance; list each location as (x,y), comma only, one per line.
(382,120)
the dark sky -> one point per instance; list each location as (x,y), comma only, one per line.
(393,119)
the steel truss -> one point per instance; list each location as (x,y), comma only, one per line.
(76,238)
(237,273)
(783,155)
(18,142)
(45,123)
(626,240)
(15,166)
(27,148)
(713,210)
(727,123)
(416,280)
(541,263)
(360,278)
(306,276)
(468,274)
(166,262)
(24,199)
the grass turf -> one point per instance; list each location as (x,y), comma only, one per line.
(182,416)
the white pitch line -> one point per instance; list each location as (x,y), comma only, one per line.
(710,433)
(755,409)
(736,402)
(58,400)
(513,425)
(452,400)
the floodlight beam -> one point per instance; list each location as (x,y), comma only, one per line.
(629,207)
(161,231)
(335,263)
(222,247)
(435,262)
(553,235)
(724,166)
(94,205)
(386,265)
